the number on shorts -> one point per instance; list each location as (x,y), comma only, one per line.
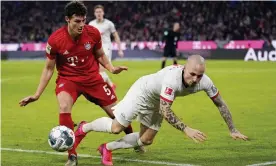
(107,90)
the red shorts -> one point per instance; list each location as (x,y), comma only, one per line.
(101,93)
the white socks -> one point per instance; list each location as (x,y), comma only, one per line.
(128,141)
(106,78)
(101,125)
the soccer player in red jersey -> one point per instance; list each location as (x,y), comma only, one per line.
(76,51)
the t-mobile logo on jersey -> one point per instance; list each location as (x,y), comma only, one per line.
(72,60)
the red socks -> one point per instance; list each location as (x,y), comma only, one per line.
(65,119)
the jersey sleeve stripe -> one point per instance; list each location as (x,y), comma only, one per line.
(215,96)
(167,100)
(50,56)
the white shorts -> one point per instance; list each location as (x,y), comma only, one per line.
(108,52)
(136,106)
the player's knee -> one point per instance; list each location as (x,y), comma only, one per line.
(116,129)
(64,108)
(147,141)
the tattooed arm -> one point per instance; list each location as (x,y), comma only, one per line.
(225,113)
(168,114)
(171,118)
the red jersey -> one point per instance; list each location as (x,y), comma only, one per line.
(75,60)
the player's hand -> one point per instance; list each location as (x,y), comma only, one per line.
(194,134)
(118,69)
(237,135)
(28,100)
(121,53)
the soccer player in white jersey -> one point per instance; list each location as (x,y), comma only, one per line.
(150,99)
(106,28)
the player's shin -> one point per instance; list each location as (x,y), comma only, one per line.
(65,119)
(100,125)
(128,141)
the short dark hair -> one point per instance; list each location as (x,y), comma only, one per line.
(75,7)
(99,7)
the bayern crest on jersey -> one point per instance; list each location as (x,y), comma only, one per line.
(87,46)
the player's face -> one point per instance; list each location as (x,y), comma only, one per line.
(176,27)
(76,23)
(193,74)
(99,13)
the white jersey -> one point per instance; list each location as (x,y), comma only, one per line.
(168,84)
(106,28)
(143,98)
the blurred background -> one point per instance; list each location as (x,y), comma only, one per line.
(204,25)
(238,39)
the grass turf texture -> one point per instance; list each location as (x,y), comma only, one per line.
(247,87)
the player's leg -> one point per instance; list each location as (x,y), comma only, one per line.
(141,149)
(123,117)
(67,94)
(134,139)
(173,54)
(150,124)
(124,112)
(164,58)
(104,96)
(109,111)
(128,141)
(104,124)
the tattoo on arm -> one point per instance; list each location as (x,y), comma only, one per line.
(225,113)
(171,118)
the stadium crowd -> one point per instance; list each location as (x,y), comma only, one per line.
(146,21)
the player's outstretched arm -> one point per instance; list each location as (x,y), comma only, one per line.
(225,113)
(100,55)
(46,75)
(118,41)
(171,118)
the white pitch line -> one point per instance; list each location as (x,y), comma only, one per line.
(14,78)
(90,156)
(266,163)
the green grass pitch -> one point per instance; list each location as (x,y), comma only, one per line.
(249,89)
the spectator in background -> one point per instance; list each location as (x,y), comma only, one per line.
(147,20)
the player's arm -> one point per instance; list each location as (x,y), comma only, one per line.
(214,94)
(100,55)
(46,75)
(224,112)
(103,60)
(169,115)
(166,100)
(117,39)
(226,115)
